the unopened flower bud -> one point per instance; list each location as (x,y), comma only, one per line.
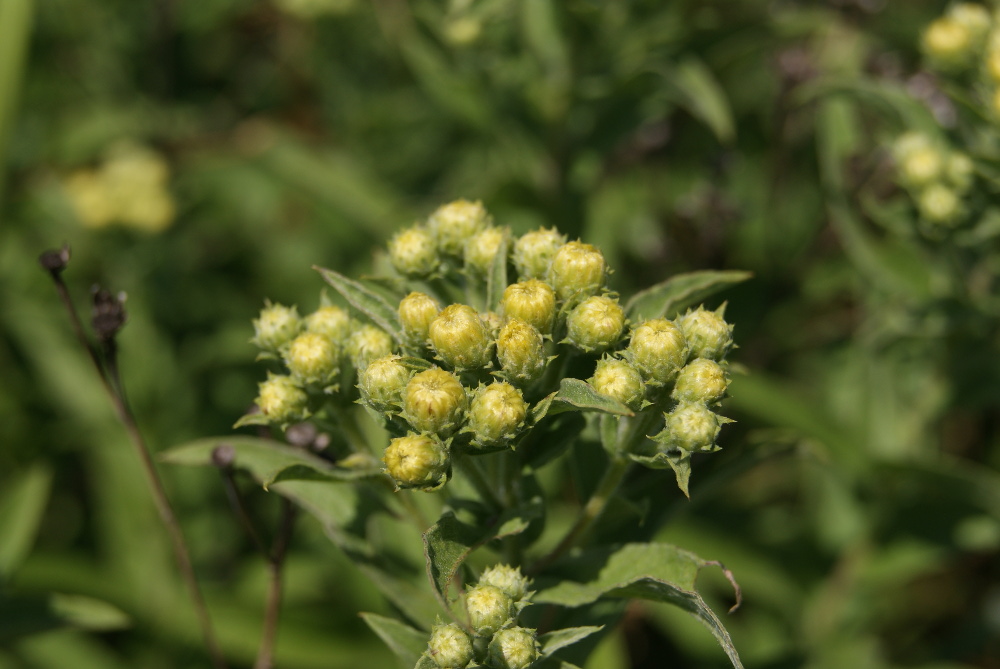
(960,171)
(417,461)
(276,326)
(416,311)
(313,358)
(521,351)
(434,401)
(366,344)
(939,204)
(413,252)
(454,223)
(490,609)
(707,333)
(460,338)
(496,414)
(974,17)
(691,426)
(577,270)
(948,43)
(919,160)
(331,321)
(482,248)
(281,400)
(532,301)
(596,323)
(507,578)
(658,350)
(701,380)
(616,378)
(513,648)
(382,383)
(450,647)
(533,252)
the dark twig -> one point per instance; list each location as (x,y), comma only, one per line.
(109,317)
(265,655)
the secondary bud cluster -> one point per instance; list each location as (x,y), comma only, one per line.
(937,177)
(493,639)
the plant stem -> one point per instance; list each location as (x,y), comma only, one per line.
(589,513)
(265,656)
(471,469)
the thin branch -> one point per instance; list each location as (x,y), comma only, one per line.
(265,656)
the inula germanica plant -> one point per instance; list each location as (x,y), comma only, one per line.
(450,394)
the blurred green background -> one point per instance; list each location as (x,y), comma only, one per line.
(203,156)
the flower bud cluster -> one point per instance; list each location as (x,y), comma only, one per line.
(936,177)
(494,639)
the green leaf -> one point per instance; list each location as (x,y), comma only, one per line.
(496,282)
(669,298)
(654,571)
(22,505)
(450,541)
(699,92)
(89,613)
(15,32)
(406,642)
(271,462)
(558,639)
(454,93)
(577,395)
(676,459)
(365,300)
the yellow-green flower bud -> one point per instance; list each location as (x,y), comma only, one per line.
(413,252)
(382,383)
(692,426)
(513,648)
(496,414)
(490,609)
(533,252)
(434,401)
(507,578)
(454,223)
(707,333)
(416,311)
(417,461)
(596,323)
(481,248)
(701,380)
(532,301)
(975,18)
(657,350)
(330,321)
(960,171)
(450,647)
(939,204)
(276,326)
(313,358)
(948,43)
(366,344)
(521,351)
(281,400)
(992,63)
(577,270)
(461,338)
(919,163)
(616,378)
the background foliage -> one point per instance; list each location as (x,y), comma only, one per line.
(856,499)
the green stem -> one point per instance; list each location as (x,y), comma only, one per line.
(471,469)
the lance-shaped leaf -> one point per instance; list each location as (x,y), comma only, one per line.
(559,639)
(271,462)
(450,541)
(577,395)
(406,642)
(22,504)
(365,300)
(657,572)
(677,459)
(669,298)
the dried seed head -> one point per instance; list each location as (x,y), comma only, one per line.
(313,358)
(616,378)
(521,351)
(413,252)
(450,647)
(578,270)
(434,402)
(482,248)
(490,609)
(454,223)
(532,301)
(382,383)
(707,333)
(276,327)
(657,350)
(366,344)
(496,415)
(701,380)
(281,400)
(533,252)
(417,461)
(596,323)
(416,311)
(461,338)
(513,648)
